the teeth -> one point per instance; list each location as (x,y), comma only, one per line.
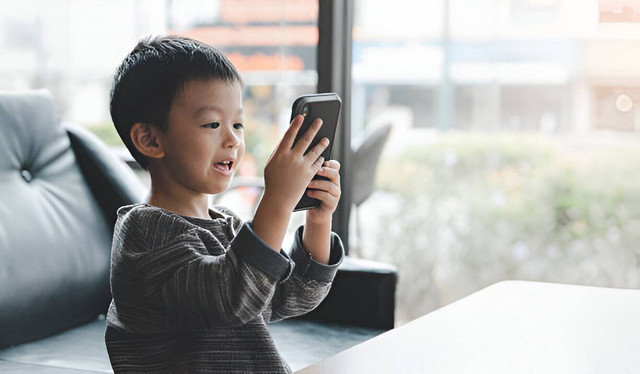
(226,165)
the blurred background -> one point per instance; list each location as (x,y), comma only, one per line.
(514,150)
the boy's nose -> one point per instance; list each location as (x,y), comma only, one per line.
(231,139)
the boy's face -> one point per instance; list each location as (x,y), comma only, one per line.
(204,142)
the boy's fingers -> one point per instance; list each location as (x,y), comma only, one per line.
(317,149)
(330,173)
(332,164)
(323,196)
(306,139)
(327,186)
(317,165)
(290,135)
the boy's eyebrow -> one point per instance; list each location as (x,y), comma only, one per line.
(212,108)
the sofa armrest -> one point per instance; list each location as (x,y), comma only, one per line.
(362,294)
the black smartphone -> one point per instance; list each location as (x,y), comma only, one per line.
(325,106)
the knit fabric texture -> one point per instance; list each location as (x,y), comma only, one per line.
(193,295)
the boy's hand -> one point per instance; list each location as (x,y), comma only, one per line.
(286,176)
(316,237)
(327,191)
(289,170)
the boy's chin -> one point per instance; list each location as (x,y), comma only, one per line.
(218,188)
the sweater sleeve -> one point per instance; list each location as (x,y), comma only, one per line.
(198,290)
(308,284)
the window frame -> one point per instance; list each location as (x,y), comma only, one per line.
(335,25)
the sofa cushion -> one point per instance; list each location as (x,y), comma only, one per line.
(8,367)
(81,348)
(54,248)
(301,343)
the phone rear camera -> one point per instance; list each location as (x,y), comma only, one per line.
(305,110)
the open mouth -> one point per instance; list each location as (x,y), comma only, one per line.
(224,166)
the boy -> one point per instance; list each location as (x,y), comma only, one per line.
(193,287)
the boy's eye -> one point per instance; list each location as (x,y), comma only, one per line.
(238,126)
(213,125)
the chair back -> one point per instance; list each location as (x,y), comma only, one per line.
(365,162)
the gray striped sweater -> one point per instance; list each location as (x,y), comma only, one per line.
(194,295)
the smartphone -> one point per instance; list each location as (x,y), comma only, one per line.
(325,106)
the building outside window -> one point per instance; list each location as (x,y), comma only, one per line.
(73,47)
(514,146)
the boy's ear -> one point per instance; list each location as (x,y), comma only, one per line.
(146,140)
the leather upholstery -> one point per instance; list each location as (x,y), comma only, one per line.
(363,294)
(110,180)
(54,249)
(82,349)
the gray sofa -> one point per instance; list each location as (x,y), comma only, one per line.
(60,188)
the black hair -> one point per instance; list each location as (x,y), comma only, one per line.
(153,74)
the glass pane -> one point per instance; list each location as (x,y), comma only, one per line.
(273,45)
(514,145)
(73,47)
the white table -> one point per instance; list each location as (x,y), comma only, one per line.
(509,327)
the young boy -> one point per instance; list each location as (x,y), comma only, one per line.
(194,287)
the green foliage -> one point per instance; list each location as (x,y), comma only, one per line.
(468,210)
(107,132)
(260,140)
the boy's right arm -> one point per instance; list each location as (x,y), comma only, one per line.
(194,289)
(287,175)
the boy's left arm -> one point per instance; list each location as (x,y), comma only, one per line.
(316,252)
(316,237)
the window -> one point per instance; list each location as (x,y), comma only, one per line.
(72,48)
(513,150)
(273,45)
(514,144)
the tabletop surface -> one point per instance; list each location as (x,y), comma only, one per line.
(509,327)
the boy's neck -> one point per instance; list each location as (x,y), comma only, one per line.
(179,201)
(195,209)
